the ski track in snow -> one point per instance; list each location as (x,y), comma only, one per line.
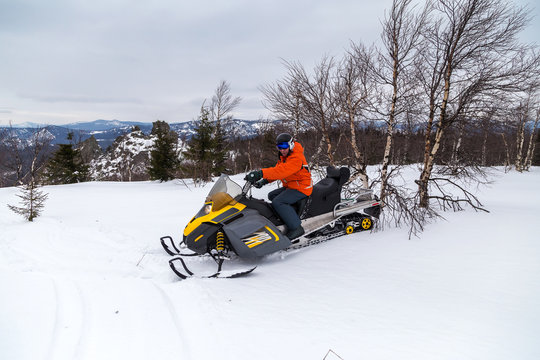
(55,332)
(67,338)
(181,333)
(83,335)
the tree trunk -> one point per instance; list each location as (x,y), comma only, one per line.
(457,145)
(519,144)
(424,177)
(326,138)
(428,163)
(386,161)
(507,161)
(530,148)
(484,149)
(250,162)
(358,155)
(428,168)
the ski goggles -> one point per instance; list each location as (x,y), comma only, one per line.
(283,145)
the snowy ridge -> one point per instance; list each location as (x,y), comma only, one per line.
(126,160)
(89,280)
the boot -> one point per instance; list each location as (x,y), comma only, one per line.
(293,234)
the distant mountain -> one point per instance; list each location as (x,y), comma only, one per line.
(26,125)
(104,125)
(236,127)
(106,131)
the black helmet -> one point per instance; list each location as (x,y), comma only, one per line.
(284,141)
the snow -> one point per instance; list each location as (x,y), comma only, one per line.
(89,280)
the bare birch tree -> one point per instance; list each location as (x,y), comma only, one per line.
(526,126)
(521,115)
(313,97)
(284,100)
(473,52)
(353,89)
(401,39)
(221,108)
(223,103)
(532,144)
(319,102)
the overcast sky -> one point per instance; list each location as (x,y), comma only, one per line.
(64,61)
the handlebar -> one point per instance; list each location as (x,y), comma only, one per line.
(247,186)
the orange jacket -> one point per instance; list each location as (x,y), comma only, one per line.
(292,171)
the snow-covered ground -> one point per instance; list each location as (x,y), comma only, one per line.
(89,280)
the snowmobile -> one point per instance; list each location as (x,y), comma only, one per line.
(232,223)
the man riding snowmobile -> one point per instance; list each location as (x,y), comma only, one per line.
(233,225)
(292,170)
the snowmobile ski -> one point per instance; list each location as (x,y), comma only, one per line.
(185,272)
(169,245)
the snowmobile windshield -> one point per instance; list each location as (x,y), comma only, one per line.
(223,193)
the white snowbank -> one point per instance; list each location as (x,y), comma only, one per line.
(89,280)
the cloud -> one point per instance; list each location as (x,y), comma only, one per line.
(79,99)
(144,60)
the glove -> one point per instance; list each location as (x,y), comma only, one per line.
(260,183)
(254,176)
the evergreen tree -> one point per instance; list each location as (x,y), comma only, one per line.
(164,160)
(201,147)
(66,166)
(32,201)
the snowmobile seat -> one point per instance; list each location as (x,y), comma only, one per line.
(327,192)
(341,175)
